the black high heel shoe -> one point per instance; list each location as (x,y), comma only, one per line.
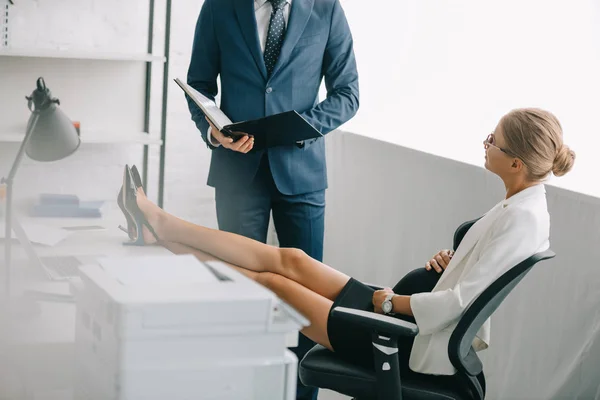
(137,181)
(130,231)
(131,207)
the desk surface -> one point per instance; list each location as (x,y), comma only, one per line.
(55,321)
(108,242)
(41,348)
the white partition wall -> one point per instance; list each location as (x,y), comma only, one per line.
(389,209)
(438,75)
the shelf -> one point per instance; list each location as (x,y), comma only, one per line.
(80,55)
(97,138)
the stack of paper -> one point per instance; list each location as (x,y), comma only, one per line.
(65,206)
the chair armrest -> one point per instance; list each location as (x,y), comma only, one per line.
(373,286)
(375,322)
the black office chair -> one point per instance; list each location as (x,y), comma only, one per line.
(322,368)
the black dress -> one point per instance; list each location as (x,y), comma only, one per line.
(354,344)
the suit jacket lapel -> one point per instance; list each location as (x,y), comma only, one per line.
(247,20)
(299,15)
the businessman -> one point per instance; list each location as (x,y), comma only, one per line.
(271,56)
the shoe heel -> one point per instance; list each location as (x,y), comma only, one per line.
(139,239)
(140,222)
(137,242)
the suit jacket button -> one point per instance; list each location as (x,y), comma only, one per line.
(269,90)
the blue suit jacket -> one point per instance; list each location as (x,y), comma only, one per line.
(318,44)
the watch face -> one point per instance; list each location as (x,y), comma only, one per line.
(386,306)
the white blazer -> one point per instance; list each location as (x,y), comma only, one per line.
(509,233)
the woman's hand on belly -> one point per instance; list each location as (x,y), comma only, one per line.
(440,261)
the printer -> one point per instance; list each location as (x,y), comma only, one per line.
(172,327)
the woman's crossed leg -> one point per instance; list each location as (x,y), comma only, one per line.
(243,252)
(312,305)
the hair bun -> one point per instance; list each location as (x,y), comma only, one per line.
(564,160)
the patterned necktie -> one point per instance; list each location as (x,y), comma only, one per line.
(275,35)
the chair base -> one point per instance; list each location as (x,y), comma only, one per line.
(322,368)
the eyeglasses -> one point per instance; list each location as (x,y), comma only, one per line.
(490,140)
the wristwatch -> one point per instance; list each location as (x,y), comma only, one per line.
(387,305)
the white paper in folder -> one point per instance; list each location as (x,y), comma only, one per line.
(167,270)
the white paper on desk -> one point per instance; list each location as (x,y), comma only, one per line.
(157,270)
(40,234)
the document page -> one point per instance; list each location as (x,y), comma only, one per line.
(208,107)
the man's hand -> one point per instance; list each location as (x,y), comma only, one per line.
(243,145)
(378,298)
(440,261)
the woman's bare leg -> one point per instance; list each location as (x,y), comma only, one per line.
(308,303)
(243,252)
(178,248)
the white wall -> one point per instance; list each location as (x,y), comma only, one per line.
(92,24)
(187,159)
(437,75)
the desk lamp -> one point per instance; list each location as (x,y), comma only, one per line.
(50,136)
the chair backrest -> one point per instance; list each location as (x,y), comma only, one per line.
(461,231)
(460,350)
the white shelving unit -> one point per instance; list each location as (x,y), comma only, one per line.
(91,137)
(80,55)
(109,92)
(88,136)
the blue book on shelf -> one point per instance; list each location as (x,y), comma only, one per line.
(58,199)
(83,209)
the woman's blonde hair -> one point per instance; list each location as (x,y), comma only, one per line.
(535,137)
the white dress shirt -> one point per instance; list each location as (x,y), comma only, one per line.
(262,12)
(509,233)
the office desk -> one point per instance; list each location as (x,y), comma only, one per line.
(36,352)
(39,351)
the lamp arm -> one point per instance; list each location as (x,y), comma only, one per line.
(8,218)
(30,129)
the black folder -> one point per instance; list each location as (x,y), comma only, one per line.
(284,129)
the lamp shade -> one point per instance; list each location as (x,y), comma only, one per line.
(54,137)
